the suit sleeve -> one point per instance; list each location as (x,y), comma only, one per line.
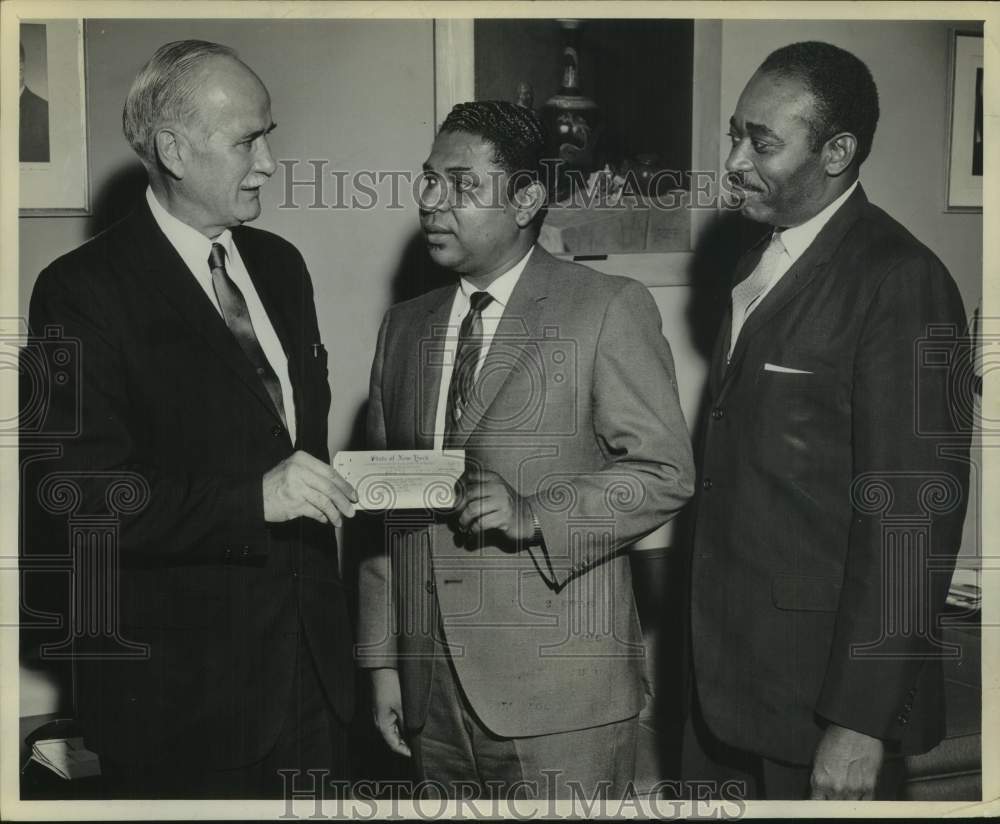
(376,641)
(892,591)
(183,510)
(648,471)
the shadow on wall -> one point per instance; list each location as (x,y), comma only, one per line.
(715,258)
(117,197)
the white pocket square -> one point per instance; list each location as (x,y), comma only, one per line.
(787,370)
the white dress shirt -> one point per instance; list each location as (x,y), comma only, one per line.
(797,239)
(194,249)
(500,290)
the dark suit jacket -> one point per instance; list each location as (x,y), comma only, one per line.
(578,411)
(168,405)
(34,128)
(828,516)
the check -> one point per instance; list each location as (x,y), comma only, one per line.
(402,479)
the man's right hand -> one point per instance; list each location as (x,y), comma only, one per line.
(387,709)
(303,486)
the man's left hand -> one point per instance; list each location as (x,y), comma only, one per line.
(486,501)
(846,765)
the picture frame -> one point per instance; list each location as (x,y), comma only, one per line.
(52,145)
(965,136)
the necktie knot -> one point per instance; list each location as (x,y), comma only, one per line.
(480,300)
(217,257)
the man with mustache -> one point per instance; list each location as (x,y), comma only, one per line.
(812,632)
(203,392)
(502,639)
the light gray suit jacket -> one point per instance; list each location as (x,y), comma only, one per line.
(576,408)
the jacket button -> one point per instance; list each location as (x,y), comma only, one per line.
(429,586)
(244,551)
(706,484)
(718,413)
(276,430)
(229,553)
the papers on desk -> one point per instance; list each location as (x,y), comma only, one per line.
(66,757)
(402,479)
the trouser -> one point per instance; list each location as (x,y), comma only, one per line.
(455,751)
(312,737)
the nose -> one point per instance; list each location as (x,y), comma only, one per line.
(264,160)
(738,161)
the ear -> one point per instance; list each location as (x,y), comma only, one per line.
(171,151)
(839,153)
(527,202)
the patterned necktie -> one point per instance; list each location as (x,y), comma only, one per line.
(237,316)
(748,291)
(463,376)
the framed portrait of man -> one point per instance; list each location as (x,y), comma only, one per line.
(52,133)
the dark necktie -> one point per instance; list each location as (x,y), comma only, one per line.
(237,316)
(463,377)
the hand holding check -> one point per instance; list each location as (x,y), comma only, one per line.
(304,486)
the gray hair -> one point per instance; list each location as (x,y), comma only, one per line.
(163,91)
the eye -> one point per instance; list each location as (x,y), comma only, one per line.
(465,182)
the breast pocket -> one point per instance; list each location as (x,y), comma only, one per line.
(792,412)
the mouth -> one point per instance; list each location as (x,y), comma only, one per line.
(436,237)
(742,189)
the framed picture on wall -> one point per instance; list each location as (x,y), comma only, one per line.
(52,141)
(965,144)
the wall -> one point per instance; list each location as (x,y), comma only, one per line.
(358,93)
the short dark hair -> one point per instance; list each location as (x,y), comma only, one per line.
(516,134)
(845,93)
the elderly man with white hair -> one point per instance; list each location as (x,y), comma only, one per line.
(204,387)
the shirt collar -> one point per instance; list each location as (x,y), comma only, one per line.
(502,287)
(796,239)
(191,244)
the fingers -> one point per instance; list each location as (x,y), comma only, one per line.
(325,480)
(304,486)
(389,728)
(476,507)
(830,789)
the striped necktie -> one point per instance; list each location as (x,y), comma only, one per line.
(237,317)
(467,353)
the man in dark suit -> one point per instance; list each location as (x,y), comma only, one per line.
(503,641)
(814,625)
(200,424)
(34,123)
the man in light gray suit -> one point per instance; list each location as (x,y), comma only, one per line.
(502,640)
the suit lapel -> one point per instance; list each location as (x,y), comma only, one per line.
(428,349)
(803,272)
(518,326)
(168,273)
